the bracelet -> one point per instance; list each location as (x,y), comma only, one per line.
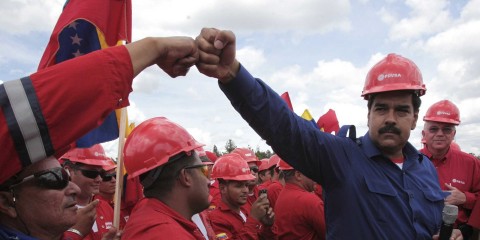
(73,230)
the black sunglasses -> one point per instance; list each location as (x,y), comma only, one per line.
(54,178)
(254,169)
(90,173)
(108,177)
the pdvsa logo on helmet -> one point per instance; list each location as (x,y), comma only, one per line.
(382,76)
(439,113)
(244,170)
(99,154)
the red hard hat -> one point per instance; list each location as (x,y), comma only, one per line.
(264,165)
(282,165)
(232,167)
(273,161)
(212,156)
(203,156)
(110,164)
(247,155)
(394,73)
(153,142)
(94,155)
(443,111)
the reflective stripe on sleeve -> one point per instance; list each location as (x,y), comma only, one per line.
(25,121)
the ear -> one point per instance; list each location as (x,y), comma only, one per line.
(6,204)
(414,124)
(185,179)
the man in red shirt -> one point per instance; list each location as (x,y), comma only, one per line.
(230,220)
(57,110)
(276,186)
(299,212)
(174,179)
(86,170)
(253,163)
(458,172)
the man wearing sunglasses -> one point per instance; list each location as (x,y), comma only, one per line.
(175,181)
(85,166)
(458,172)
(52,121)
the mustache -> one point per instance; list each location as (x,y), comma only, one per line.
(389,129)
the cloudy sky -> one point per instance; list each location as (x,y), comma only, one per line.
(318,50)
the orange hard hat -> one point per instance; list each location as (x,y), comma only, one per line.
(282,165)
(443,111)
(232,167)
(394,73)
(247,155)
(94,155)
(153,143)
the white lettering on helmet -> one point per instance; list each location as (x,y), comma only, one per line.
(245,170)
(443,113)
(99,154)
(248,154)
(382,76)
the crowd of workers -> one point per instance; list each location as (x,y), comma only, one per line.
(316,186)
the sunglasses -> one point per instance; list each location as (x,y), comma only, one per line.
(90,173)
(54,178)
(108,177)
(254,169)
(202,167)
(445,130)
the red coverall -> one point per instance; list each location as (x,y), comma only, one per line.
(103,222)
(273,191)
(299,215)
(228,224)
(215,193)
(124,214)
(152,219)
(460,170)
(64,102)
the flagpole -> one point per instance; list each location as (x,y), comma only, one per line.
(120,174)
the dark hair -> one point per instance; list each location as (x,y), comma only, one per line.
(165,181)
(416,101)
(288,175)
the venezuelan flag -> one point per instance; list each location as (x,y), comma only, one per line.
(83,27)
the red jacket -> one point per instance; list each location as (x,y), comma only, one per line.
(215,193)
(123,213)
(299,215)
(152,219)
(461,170)
(64,101)
(228,224)
(273,191)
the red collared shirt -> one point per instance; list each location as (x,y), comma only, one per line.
(299,214)
(460,170)
(152,219)
(228,224)
(273,191)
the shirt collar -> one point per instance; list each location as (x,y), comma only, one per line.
(372,151)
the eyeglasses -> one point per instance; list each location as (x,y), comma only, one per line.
(90,173)
(202,167)
(108,177)
(445,130)
(254,169)
(54,178)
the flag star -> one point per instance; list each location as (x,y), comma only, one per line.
(77,53)
(73,25)
(76,40)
